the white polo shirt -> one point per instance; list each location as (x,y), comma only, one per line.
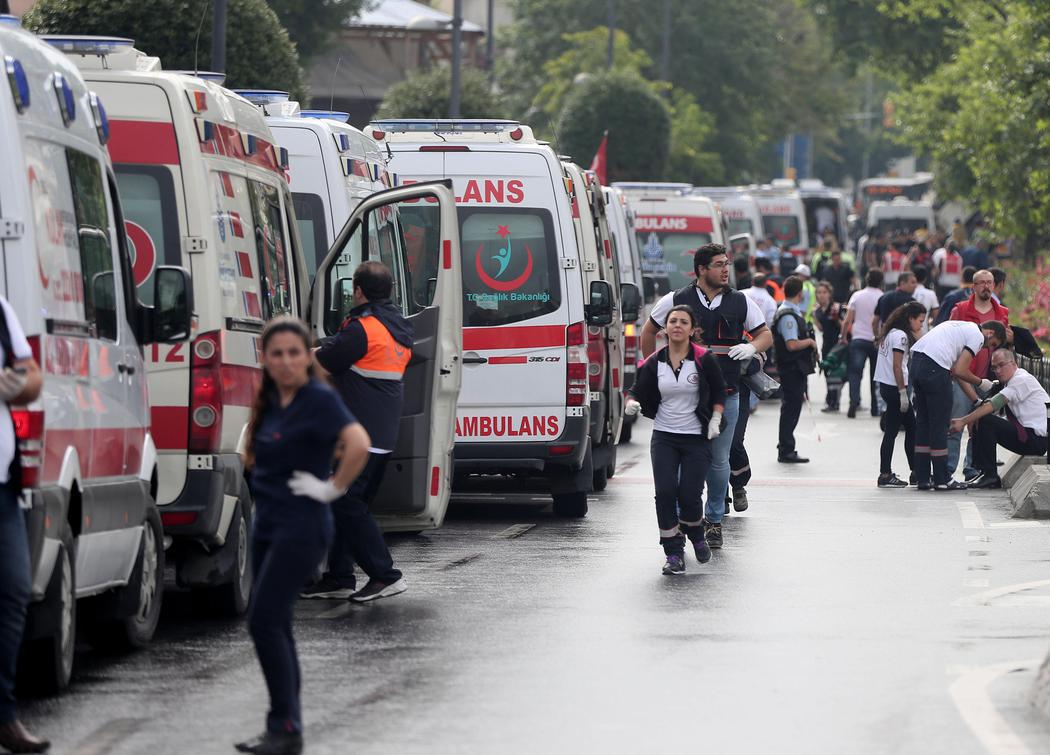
(947,341)
(1027,400)
(895,340)
(679,396)
(22,351)
(863,305)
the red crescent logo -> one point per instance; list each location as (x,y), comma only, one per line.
(496,285)
(145,252)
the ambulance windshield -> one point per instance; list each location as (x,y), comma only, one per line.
(783,228)
(668,257)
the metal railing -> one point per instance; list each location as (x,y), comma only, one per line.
(1040,368)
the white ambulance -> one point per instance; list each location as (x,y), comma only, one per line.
(89,463)
(524,408)
(741,215)
(783,217)
(331,167)
(901,214)
(826,209)
(671,224)
(203,186)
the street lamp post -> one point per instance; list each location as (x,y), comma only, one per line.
(218,36)
(457,57)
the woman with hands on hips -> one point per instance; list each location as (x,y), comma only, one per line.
(682,390)
(298,426)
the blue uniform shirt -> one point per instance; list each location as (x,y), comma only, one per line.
(301,436)
(788,326)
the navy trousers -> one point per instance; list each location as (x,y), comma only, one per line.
(15,590)
(933,413)
(357,534)
(680,464)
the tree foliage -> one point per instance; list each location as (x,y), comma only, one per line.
(259,52)
(312,25)
(636,118)
(426,94)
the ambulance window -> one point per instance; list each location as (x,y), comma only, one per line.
(385,245)
(783,228)
(421,233)
(96,257)
(736,226)
(270,245)
(510,265)
(147,194)
(667,256)
(309,215)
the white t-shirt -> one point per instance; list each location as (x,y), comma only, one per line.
(895,340)
(928,299)
(1027,400)
(760,296)
(946,342)
(754,318)
(22,351)
(863,305)
(678,399)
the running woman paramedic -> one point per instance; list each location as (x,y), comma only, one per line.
(296,427)
(726,318)
(682,390)
(901,329)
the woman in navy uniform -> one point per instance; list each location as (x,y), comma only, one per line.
(296,427)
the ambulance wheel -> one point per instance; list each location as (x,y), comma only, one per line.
(46,664)
(601,479)
(232,598)
(625,432)
(570,505)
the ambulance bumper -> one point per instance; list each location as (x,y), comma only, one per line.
(197,514)
(537,457)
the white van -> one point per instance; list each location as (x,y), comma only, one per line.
(203,186)
(901,214)
(524,407)
(783,217)
(332,166)
(826,209)
(741,216)
(89,461)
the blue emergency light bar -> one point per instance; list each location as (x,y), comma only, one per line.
(6,19)
(328,115)
(657,186)
(85,45)
(263,96)
(460,125)
(213,76)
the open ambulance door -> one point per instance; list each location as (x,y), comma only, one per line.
(424,257)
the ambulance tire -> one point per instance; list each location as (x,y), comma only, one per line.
(601,479)
(625,432)
(570,505)
(142,597)
(231,599)
(46,664)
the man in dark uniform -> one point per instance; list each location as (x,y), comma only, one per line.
(796,351)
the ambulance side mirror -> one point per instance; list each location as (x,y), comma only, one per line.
(172,311)
(648,289)
(599,310)
(630,302)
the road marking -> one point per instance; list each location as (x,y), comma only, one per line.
(985,598)
(1020,523)
(970,694)
(515,530)
(461,561)
(106,737)
(971,517)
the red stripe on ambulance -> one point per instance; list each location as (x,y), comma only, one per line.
(522,337)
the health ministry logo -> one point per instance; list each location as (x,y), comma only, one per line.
(503,259)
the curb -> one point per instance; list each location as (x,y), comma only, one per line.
(1027,479)
(1039,696)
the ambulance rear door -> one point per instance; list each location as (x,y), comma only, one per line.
(418,482)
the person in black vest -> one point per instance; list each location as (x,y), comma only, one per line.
(726,319)
(796,351)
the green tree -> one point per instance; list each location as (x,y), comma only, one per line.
(691,130)
(635,116)
(258,50)
(425,94)
(313,25)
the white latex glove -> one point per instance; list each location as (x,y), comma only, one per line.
(11,384)
(632,407)
(742,352)
(905,401)
(305,484)
(714,426)
(986,385)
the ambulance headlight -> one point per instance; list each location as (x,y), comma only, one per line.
(16,77)
(98,112)
(67,104)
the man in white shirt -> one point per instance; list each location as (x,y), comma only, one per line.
(945,351)
(759,294)
(1022,431)
(925,296)
(859,314)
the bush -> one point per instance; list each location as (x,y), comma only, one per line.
(637,119)
(258,50)
(426,94)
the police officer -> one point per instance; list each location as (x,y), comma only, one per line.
(726,318)
(796,351)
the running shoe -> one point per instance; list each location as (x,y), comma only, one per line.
(702,550)
(830,410)
(675,564)
(713,534)
(273,743)
(986,482)
(740,499)
(953,485)
(376,589)
(973,476)
(852,411)
(891,481)
(328,589)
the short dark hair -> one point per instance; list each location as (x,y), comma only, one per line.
(996,328)
(835,251)
(704,255)
(968,272)
(921,272)
(874,279)
(759,281)
(792,286)
(374,280)
(998,275)
(685,309)
(906,276)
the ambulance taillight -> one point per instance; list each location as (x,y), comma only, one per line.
(29,430)
(576,392)
(205,394)
(596,357)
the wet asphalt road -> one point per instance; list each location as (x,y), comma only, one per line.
(839,618)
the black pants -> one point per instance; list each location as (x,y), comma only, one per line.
(995,431)
(15,589)
(894,419)
(680,464)
(282,566)
(793,393)
(357,534)
(933,409)
(739,463)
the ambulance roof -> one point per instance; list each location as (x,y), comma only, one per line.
(281,111)
(654,188)
(443,130)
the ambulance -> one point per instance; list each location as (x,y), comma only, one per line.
(901,214)
(783,217)
(605,343)
(671,224)
(524,408)
(826,208)
(89,459)
(743,219)
(203,185)
(332,166)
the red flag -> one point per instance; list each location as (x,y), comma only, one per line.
(600,162)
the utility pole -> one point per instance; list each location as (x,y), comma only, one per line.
(665,43)
(869,93)
(218,36)
(457,57)
(490,42)
(611,23)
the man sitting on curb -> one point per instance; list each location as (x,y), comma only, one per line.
(1023,431)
